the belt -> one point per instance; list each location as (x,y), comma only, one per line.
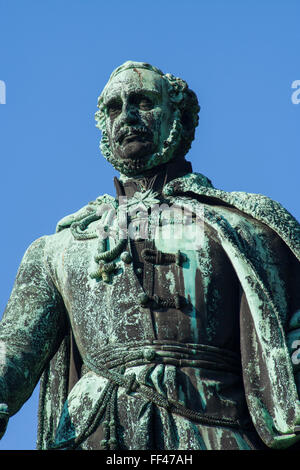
(111,364)
(168,352)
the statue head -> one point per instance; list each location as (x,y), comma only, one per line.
(146,118)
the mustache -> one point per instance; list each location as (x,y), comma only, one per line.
(140,131)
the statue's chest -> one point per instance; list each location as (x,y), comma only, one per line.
(163,287)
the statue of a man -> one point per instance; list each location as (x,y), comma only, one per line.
(167,317)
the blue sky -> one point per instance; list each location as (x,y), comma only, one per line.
(240,57)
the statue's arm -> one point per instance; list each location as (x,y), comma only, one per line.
(31,330)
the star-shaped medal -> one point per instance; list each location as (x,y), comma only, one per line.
(143,200)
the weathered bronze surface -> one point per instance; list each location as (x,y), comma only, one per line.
(166,317)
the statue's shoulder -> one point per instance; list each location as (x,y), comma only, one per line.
(199,184)
(85,211)
(47,246)
(255,204)
(258,206)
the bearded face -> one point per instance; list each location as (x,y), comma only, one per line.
(139,116)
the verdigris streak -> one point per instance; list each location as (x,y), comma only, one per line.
(145,336)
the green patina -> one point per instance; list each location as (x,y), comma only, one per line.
(127,341)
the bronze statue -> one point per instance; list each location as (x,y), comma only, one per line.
(165,317)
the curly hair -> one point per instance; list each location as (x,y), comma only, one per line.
(184,101)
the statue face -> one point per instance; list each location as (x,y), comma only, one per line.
(139,116)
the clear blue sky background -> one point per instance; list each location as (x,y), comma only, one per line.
(240,57)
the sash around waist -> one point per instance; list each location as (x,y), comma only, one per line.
(168,352)
(112,363)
